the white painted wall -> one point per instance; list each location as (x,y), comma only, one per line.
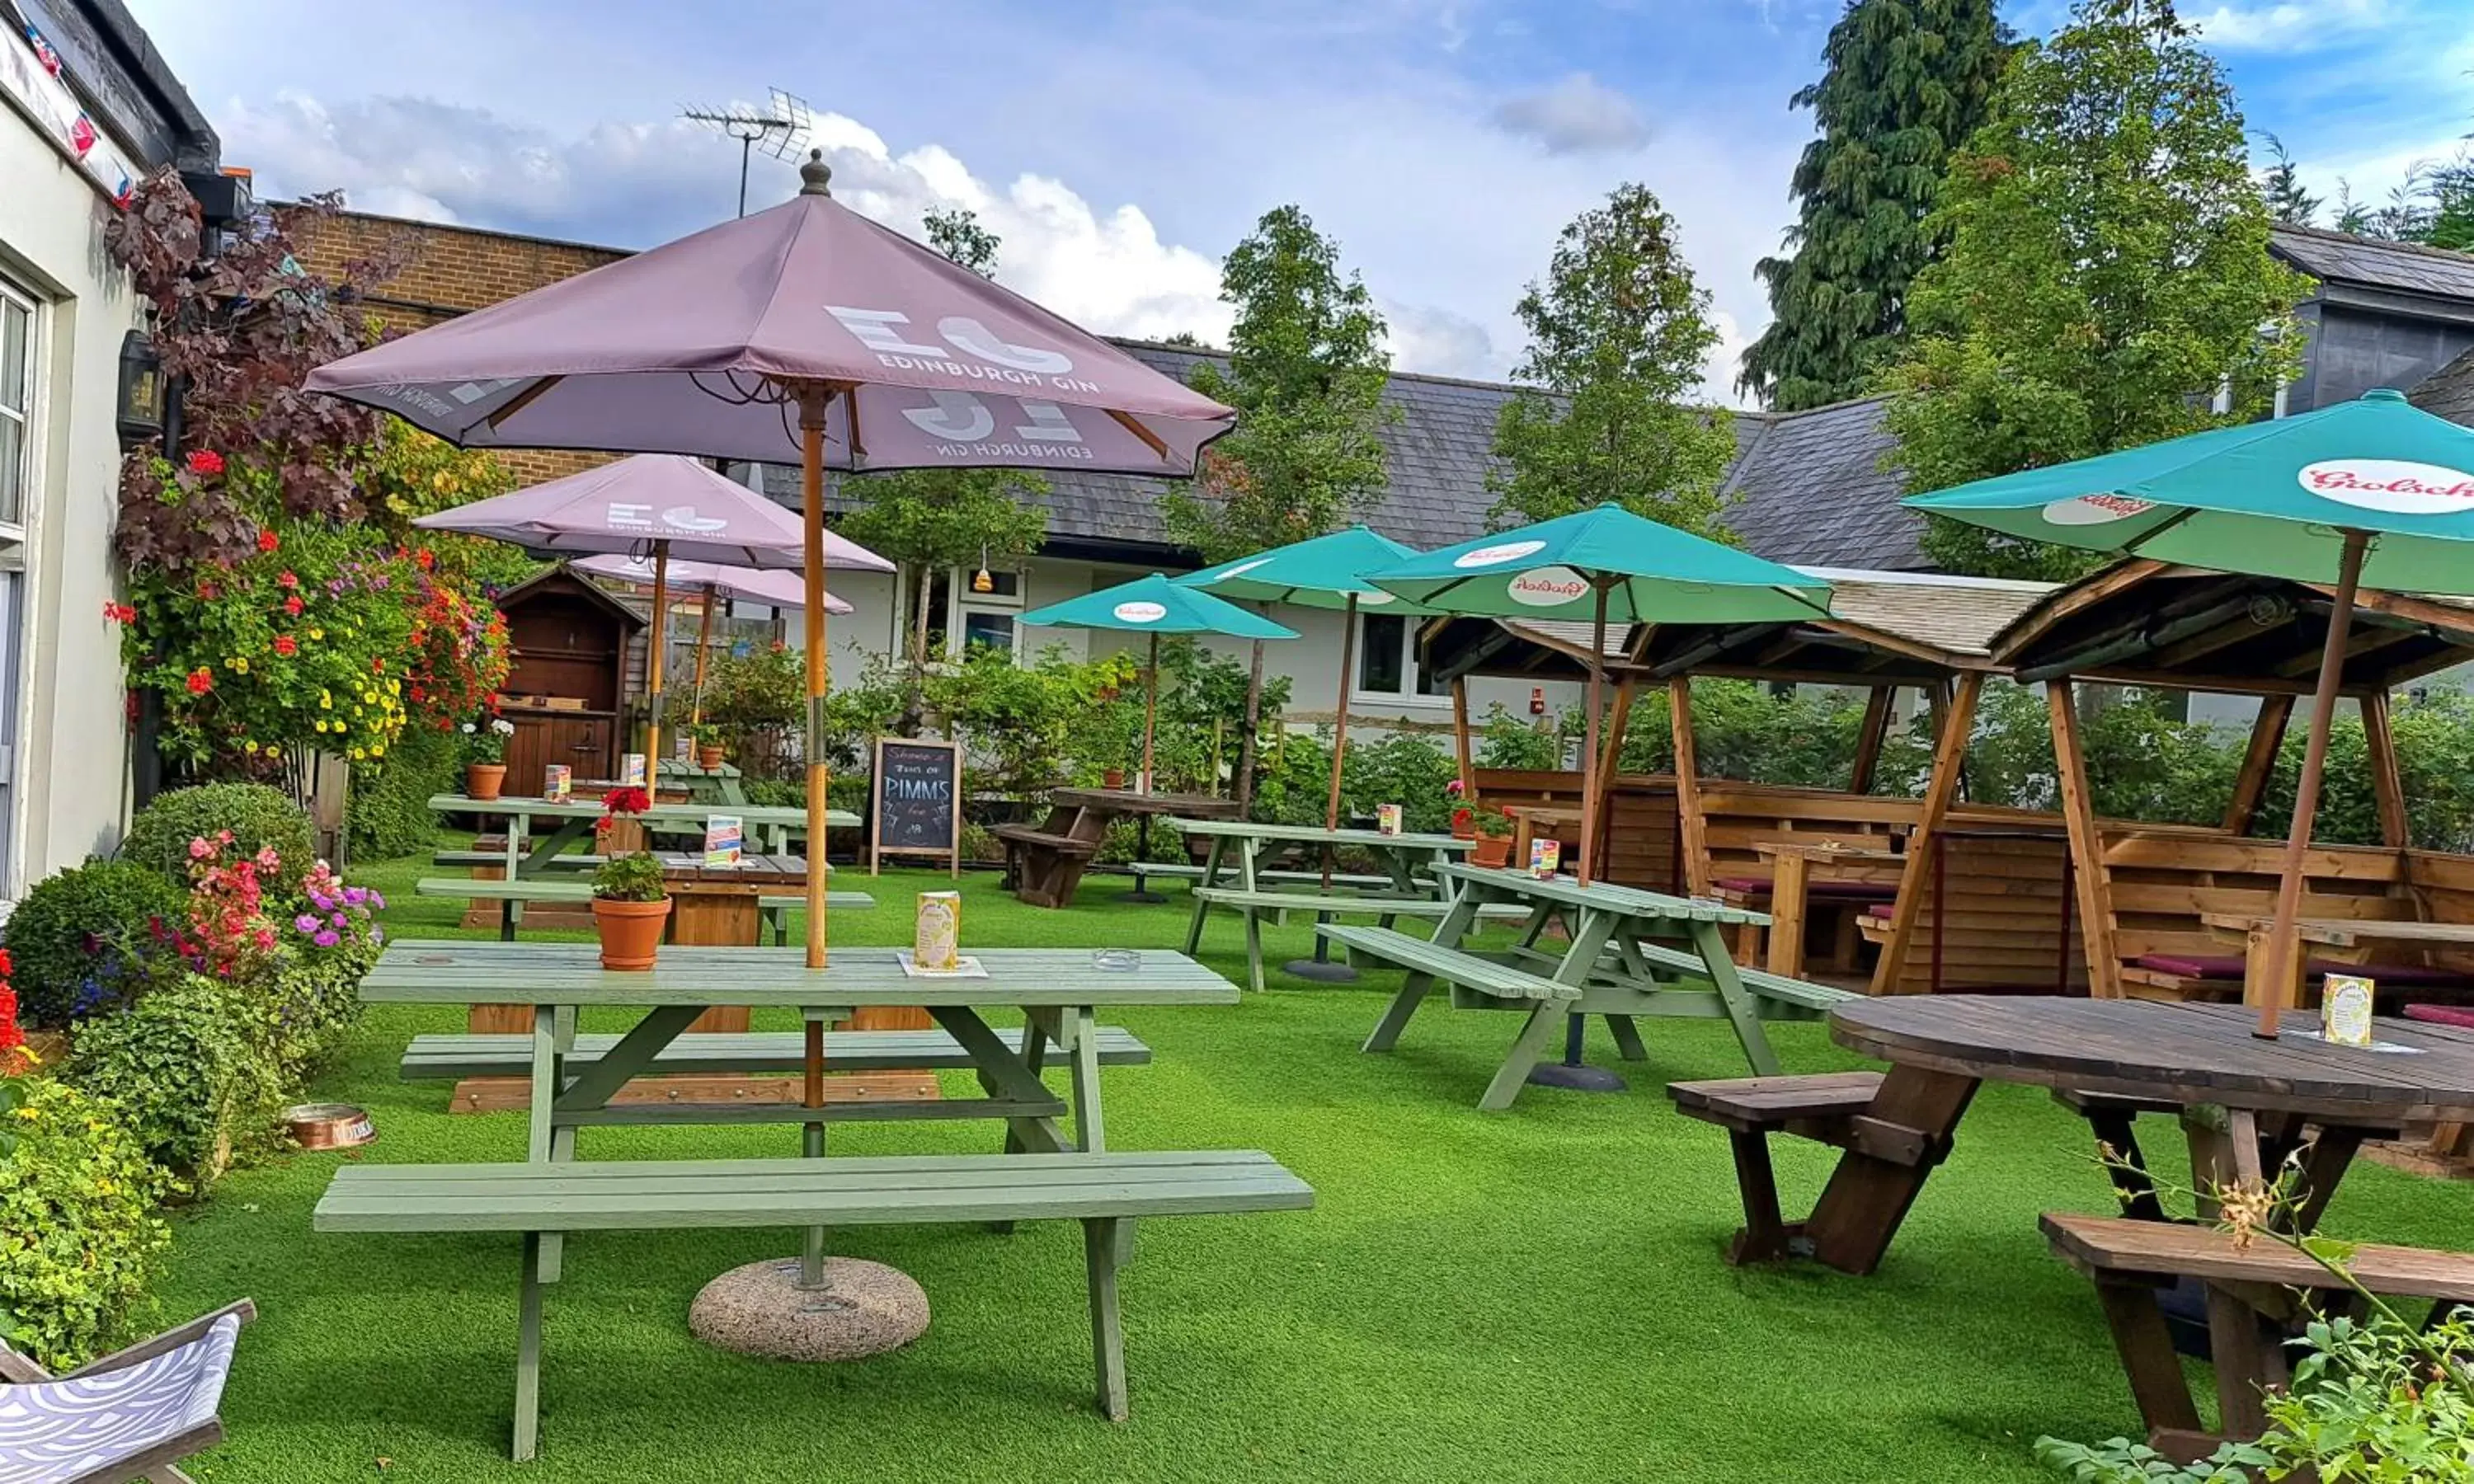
(70,776)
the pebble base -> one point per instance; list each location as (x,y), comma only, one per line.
(865,1308)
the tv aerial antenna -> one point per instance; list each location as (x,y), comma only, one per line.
(778,127)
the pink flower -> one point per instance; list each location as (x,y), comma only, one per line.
(326,939)
(199,849)
(307,922)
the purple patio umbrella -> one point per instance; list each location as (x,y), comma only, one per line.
(654,507)
(803,330)
(713,580)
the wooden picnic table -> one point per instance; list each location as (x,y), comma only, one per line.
(1629,953)
(722,906)
(1794,867)
(1234,876)
(2331,939)
(1045,862)
(571,820)
(2191,1056)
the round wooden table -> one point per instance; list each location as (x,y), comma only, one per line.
(1941,1046)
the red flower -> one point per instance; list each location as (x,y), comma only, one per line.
(377,665)
(201,681)
(267,541)
(292,606)
(626,800)
(206,460)
(427,559)
(287,580)
(286,644)
(119,614)
(208,592)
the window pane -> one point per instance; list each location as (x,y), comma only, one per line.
(13,470)
(1379,652)
(17,330)
(995,629)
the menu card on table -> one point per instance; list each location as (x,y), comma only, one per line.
(724,843)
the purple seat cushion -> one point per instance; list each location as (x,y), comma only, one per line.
(2442,1014)
(1819,891)
(1753,886)
(2229,966)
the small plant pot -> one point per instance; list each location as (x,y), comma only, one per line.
(484,780)
(708,758)
(1113,777)
(631,932)
(1464,827)
(1493,850)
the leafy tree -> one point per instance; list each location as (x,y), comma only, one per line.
(1306,371)
(931,520)
(2107,282)
(2282,185)
(2434,205)
(1616,335)
(1908,82)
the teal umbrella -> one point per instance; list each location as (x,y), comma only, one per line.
(1604,565)
(2372,492)
(1327,571)
(1155,606)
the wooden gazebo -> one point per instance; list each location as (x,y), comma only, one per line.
(2155,902)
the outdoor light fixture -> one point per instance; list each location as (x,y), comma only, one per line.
(141,412)
(980,580)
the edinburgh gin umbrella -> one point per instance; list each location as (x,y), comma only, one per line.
(2372,492)
(802,333)
(656,507)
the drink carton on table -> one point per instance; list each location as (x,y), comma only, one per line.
(936,940)
(558,782)
(725,842)
(2345,1011)
(1387,819)
(1545,856)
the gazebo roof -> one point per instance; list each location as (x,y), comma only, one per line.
(2149,623)
(1886,628)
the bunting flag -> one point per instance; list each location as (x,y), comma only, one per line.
(32,79)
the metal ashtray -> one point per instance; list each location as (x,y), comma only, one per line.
(1116,960)
(328,1125)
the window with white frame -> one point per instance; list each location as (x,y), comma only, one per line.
(960,618)
(1387,663)
(19,402)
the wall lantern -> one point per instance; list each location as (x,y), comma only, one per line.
(139,415)
(981,580)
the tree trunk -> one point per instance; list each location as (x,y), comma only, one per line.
(915,705)
(1253,725)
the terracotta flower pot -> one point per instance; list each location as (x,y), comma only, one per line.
(1492,850)
(1464,826)
(708,758)
(1113,777)
(631,932)
(484,780)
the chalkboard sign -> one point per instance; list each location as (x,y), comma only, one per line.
(916,801)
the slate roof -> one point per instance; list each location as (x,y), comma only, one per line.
(2406,267)
(2448,392)
(1806,486)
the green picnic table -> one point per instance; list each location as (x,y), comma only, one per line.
(570,821)
(1233,877)
(1627,954)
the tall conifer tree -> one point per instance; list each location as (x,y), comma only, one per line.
(1907,83)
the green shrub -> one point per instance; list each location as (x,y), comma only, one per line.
(256,815)
(79,1235)
(184,1079)
(388,815)
(81,938)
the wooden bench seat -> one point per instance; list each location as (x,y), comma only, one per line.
(2249,1309)
(1805,999)
(1252,906)
(1045,864)
(1180,871)
(451,1058)
(1452,965)
(1101,1190)
(512,895)
(498,858)
(1824,1107)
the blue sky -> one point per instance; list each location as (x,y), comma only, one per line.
(1121,147)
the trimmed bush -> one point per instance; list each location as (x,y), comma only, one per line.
(256,815)
(81,938)
(79,1235)
(388,814)
(185,1082)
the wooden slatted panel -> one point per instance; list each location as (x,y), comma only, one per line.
(448,1058)
(2445,884)
(2162,882)
(646,1195)
(1641,841)
(1999,919)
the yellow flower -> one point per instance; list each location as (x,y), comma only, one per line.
(248,745)
(239,664)
(369,697)
(29,1114)
(317,634)
(326,701)
(322,724)
(378,750)
(359,754)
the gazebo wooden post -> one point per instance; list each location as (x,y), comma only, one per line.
(1957,717)
(2090,880)
(704,641)
(1688,786)
(2259,762)
(1871,734)
(2388,780)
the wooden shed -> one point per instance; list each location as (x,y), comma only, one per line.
(566,693)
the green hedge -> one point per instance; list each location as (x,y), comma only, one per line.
(79,1236)
(79,941)
(389,816)
(256,815)
(187,1084)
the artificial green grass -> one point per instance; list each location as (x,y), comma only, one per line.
(1530,1295)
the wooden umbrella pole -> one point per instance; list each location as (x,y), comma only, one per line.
(653,668)
(1340,730)
(813,400)
(704,639)
(1150,712)
(2283,947)
(1590,747)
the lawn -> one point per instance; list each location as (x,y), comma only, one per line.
(1530,1295)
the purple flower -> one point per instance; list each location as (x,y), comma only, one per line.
(377,901)
(355,896)
(326,939)
(306,923)
(341,920)
(378,935)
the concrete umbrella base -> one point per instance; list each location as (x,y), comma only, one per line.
(865,1308)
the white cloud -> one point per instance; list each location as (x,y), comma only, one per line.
(1424,338)
(2283,25)
(1577,116)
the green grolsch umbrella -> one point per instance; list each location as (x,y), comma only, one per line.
(1155,606)
(2369,493)
(1604,565)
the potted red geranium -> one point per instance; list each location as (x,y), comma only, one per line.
(1464,821)
(1494,839)
(630,903)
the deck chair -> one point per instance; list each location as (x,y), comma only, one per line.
(123,1418)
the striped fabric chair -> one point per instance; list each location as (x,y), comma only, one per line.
(127,1417)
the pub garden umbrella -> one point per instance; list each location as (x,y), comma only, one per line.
(714,582)
(2372,492)
(1605,565)
(656,507)
(1324,571)
(1155,606)
(804,332)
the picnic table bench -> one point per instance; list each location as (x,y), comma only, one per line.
(1103,1191)
(1234,872)
(449,1058)
(512,895)
(1045,862)
(571,819)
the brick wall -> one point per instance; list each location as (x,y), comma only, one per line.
(449,270)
